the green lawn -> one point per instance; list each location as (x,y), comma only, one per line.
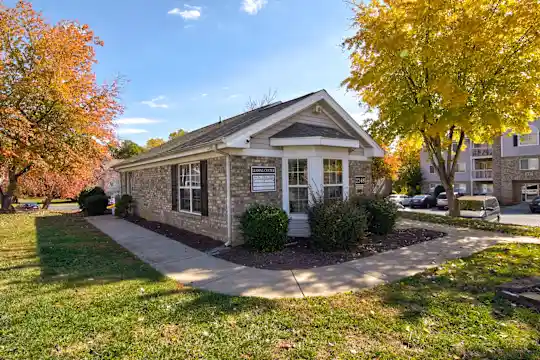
(67,291)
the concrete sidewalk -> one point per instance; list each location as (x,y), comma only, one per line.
(195,268)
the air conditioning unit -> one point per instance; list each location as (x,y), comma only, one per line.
(317,109)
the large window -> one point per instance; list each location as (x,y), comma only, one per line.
(190,187)
(298,185)
(528,139)
(333,179)
(461,167)
(528,164)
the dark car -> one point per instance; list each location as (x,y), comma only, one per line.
(535,205)
(423,201)
(30,206)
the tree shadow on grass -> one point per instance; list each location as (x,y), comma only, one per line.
(75,253)
(462,294)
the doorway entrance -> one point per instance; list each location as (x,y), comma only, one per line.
(529,192)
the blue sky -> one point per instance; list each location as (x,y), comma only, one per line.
(189,62)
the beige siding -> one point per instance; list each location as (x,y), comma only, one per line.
(262,140)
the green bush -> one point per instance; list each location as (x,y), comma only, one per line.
(336,225)
(84,194)
(518,230)
(123,205)
(96,204)
(381,213)
(264,227)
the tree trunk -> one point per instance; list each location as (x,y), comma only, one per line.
(47,202)
(7,197)
(453,208)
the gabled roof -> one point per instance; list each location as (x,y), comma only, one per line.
(306,130)
(215,132)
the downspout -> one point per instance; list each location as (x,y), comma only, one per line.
(228,186)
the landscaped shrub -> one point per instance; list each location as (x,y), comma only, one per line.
(96,204)
(519,230)
(336,225)
(264,227)
(122,207)
(381,213)
(84,194)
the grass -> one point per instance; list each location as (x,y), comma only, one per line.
(41,200)
(69,292)
(518,230)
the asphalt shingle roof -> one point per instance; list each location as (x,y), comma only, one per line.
(306,130)
(215,132)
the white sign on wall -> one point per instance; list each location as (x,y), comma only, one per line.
(263,179)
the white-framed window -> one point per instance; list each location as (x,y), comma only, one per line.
(298,185)
(460,188)
(528,139)
(431,169)
(461,167)
(528,164)
(333,179)
(189,188)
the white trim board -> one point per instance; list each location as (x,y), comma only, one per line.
(315,140)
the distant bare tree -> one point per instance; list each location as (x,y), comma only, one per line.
(266,99)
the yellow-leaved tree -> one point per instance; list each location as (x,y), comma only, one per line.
(445,70)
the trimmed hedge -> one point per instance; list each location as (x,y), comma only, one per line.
(122,206)
(336,225)
(519,230)
(265,227)
(84,194)
(381,213)
(96,205)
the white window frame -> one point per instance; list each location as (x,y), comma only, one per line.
(431,169)
(189,187)
(464,166)
(529,164)
(342,176)
(297,186)
(460,186)
(533,135)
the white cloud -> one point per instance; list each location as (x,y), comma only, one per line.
(252,7)
(154,102)
(127,131)
(135,121)
(188,13)
(204,95)
(233,96)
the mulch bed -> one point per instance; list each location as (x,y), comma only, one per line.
(301,255)
(196,241)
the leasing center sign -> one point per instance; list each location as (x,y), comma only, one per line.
(263,179)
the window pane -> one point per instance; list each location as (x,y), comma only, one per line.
(195,174)
(302,178)
(184,200)
(333,192)
(184,175)
(293,165)
(293,178)
(196,200)
(533,164)
(524,164)
(298,200)
(339,165)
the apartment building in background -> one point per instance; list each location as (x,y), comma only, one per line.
(509,168)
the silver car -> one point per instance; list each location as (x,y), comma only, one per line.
(400,199)
(480,207)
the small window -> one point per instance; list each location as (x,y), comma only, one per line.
(461,167)
(528,164)
(528,139)
(431,169)
(189,189)
(298,185)
(333,179)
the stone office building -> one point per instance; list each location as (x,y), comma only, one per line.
(276,154)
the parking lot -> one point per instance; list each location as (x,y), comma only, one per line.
(515,214)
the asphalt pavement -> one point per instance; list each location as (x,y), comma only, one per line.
(515,214)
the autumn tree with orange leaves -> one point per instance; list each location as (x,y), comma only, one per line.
(52,110)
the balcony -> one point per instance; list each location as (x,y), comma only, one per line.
(483,174)
(484,151)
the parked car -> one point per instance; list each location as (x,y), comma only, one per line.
(30,206)
(442,200)
(423,201)
(480,207)
(400,199)
(535,205)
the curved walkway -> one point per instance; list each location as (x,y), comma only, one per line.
(195,268)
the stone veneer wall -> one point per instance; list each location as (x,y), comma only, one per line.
(357,168)
(241,195)
(508,178)
(151,190)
